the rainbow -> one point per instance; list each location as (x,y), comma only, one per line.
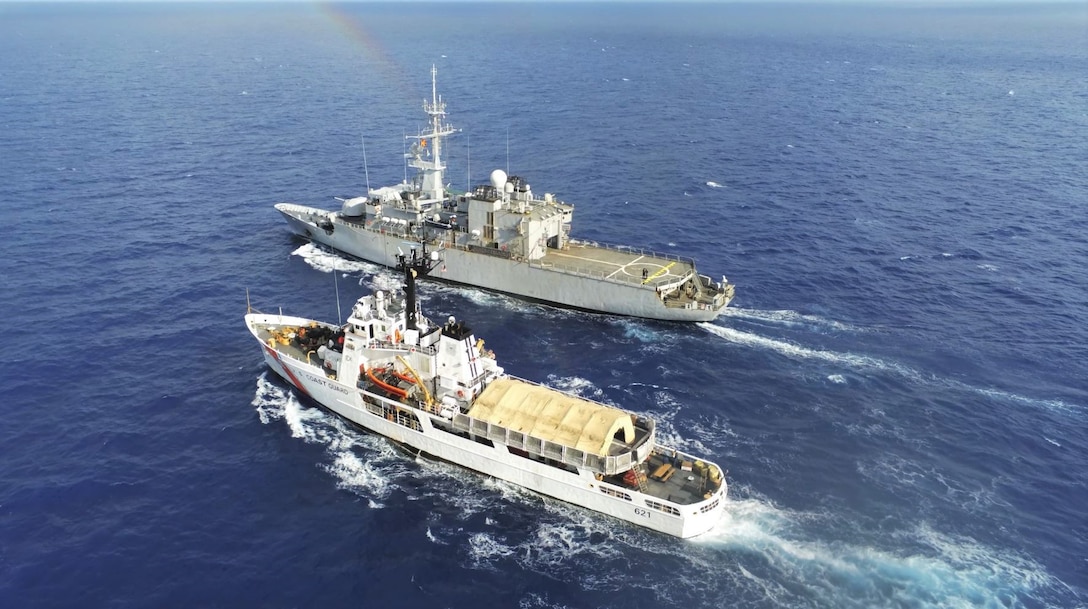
(353,27)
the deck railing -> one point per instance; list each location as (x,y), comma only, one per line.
(635,250)
(606,465)
(611,276)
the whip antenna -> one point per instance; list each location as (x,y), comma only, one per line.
(366,172)
(336,286)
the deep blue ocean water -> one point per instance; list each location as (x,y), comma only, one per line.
(898,392)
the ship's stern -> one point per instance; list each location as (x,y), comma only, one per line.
(705,515)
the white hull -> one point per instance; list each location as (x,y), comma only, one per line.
(506,275)
(496,460)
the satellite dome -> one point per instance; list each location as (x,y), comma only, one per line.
(498,178)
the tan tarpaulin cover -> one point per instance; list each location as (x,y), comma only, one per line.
(550,415)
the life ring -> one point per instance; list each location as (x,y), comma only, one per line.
(460,393)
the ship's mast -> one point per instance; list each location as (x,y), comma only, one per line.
(414,266)
(431,167)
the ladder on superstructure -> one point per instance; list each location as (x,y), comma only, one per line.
(640,477)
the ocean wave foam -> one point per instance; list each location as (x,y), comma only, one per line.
(904,476)
(791,350)
(637,330)
(577,386)
(789,318)
(372,476)
(1050,404)
(327,261)
(484,548)
(563,537)
(942,571)
(760,555)
(865,362)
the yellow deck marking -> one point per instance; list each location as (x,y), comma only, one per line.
(660,271)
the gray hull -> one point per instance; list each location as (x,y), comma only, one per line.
(614,292)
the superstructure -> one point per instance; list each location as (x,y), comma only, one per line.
(501,236)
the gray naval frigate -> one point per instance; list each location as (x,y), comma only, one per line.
(502,237)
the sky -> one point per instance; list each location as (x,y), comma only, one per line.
(893,2)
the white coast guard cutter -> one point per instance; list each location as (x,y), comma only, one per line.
(434,388)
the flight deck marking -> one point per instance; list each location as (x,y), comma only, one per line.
(659,272)
(624,267)
(560,254)
(655,275)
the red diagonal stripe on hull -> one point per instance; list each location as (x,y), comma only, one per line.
(290,375)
